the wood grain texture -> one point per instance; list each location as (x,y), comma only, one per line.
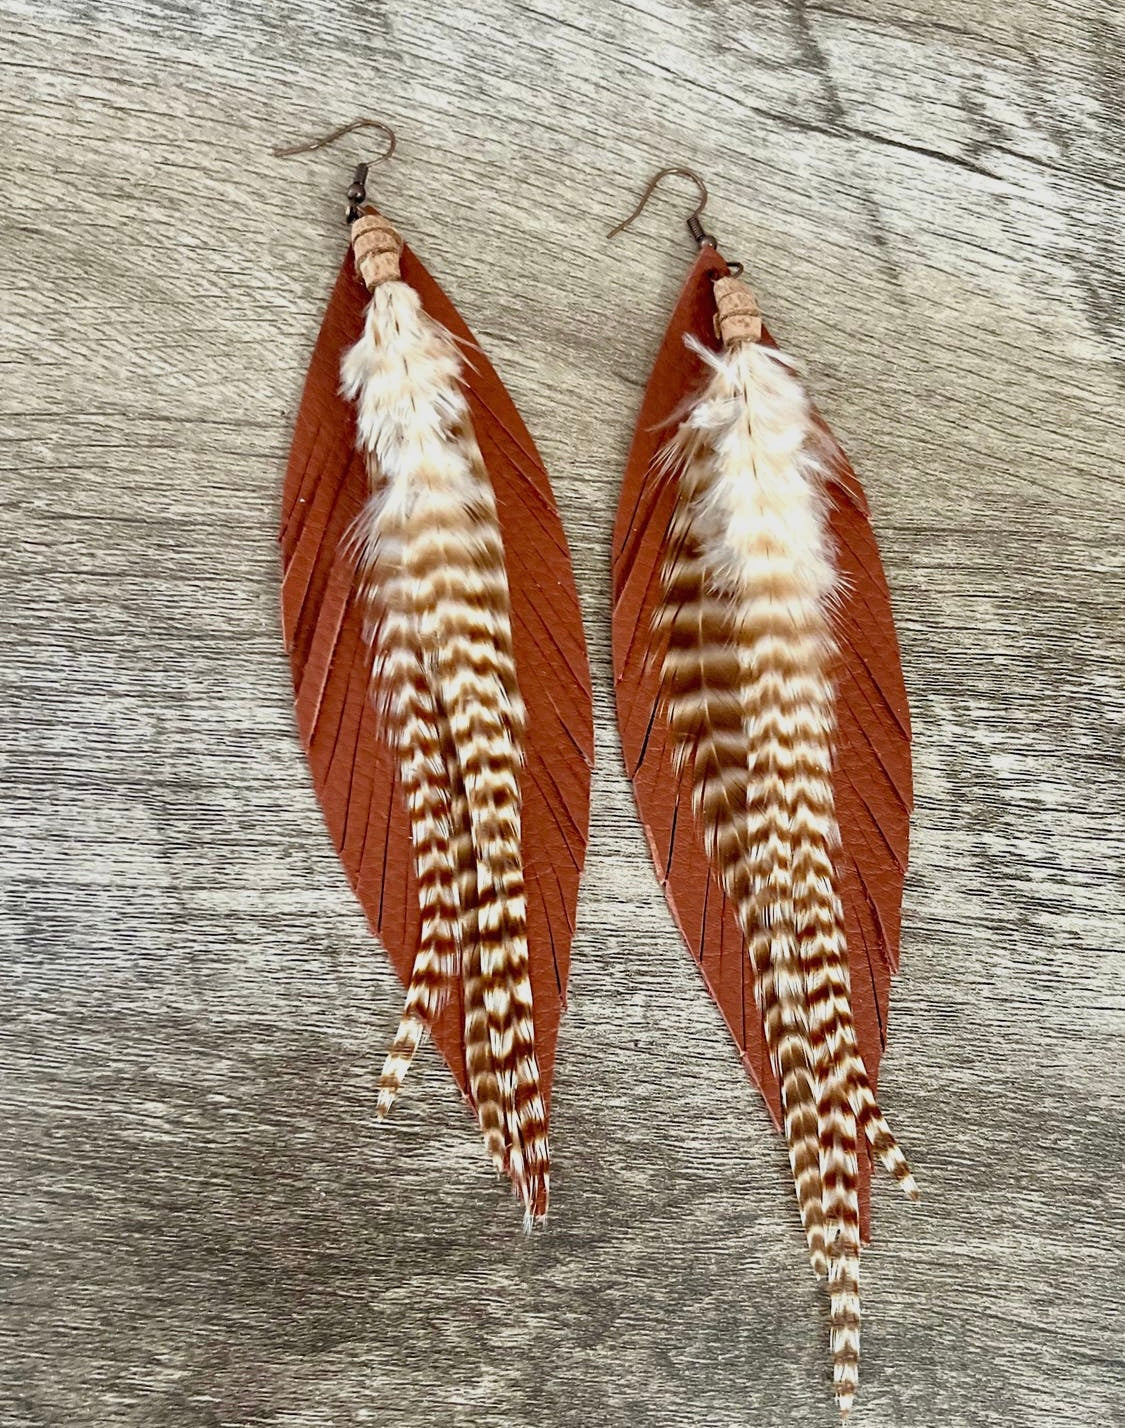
(200,1222)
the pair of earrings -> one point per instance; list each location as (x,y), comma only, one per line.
(443,697)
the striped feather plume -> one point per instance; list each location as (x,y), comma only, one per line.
(434,590)
(748,600)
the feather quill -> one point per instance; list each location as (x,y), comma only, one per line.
(750,586)
(432,578)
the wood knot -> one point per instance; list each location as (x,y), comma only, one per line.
(737,318)
(376,246)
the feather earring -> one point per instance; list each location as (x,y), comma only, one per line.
(442,685)
(765,725)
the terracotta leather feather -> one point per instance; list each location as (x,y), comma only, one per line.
(765,726)
(442,686)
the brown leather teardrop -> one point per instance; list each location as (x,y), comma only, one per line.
(354,771)
(872,779)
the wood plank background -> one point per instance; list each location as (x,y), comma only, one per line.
(200,1222)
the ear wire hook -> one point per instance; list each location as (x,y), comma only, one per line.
(357,193)
(322,142)
(695,219)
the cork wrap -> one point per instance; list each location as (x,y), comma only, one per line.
(737,318)
(377,247)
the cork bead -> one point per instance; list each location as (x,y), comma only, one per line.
(737,318)
(376,246)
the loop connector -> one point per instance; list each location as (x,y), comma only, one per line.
(357,193)
(699,233)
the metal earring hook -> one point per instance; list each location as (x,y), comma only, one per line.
(357,193)
(695,219)
(322,142)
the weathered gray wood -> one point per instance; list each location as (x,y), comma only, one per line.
(199,1221)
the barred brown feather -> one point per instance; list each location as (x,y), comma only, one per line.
(703,689)
(465,629)
(415,723)
(430,553)
(746,610)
